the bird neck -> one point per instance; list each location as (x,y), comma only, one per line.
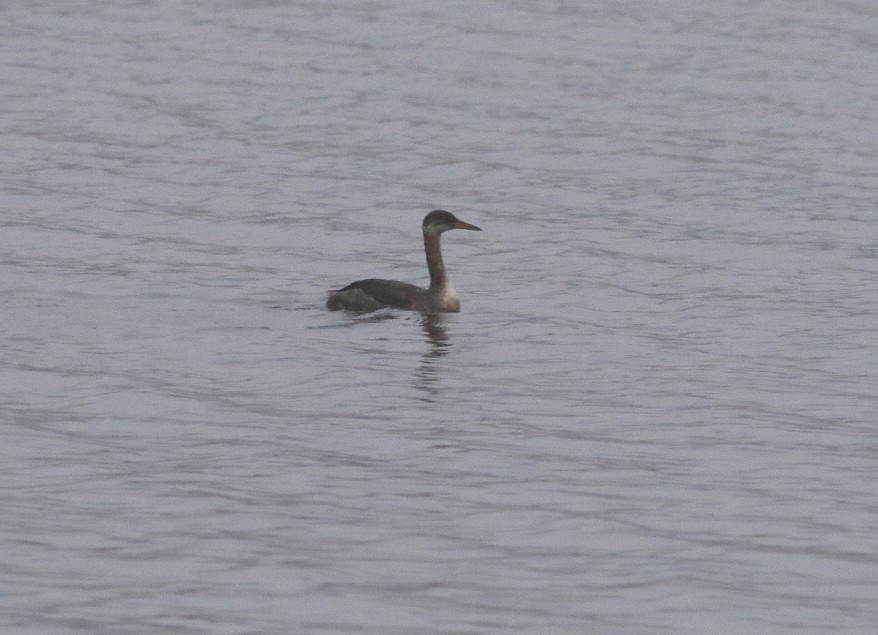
(438,278)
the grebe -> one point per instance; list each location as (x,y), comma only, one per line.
(374,294)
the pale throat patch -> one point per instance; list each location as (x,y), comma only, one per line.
(432,230)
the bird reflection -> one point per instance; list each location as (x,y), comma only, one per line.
(436,337)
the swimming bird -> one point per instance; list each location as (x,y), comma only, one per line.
(440,297)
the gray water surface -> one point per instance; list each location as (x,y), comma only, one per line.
(655,413)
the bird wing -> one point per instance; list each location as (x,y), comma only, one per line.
(388,292)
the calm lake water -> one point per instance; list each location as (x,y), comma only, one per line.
(655,413)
